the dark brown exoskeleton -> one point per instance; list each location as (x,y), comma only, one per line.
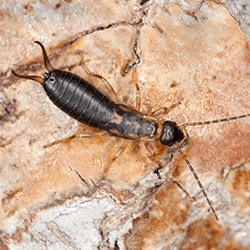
(82,101)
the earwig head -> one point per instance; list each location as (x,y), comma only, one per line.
(47,65)
(171,133)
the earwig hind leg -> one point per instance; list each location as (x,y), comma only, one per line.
(78,135)
(85,182)
(107,85)
(81,178)
(118,153)
(164,110)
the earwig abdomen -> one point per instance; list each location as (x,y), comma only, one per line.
(82,101)
(78,98)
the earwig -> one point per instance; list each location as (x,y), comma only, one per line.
(82,101)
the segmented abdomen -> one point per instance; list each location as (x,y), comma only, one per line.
(79,99)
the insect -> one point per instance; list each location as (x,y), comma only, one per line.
(82,101)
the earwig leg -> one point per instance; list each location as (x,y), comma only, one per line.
(85,182)
(81,178)
(149,148)
(183,189)
(138,98)
(164,110)
(232,168)
(118,153)
(75,136)
(104,81)
(185,140)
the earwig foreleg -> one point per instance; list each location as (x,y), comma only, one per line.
(164,110)
(150,149)
(75,136)
(185,141)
